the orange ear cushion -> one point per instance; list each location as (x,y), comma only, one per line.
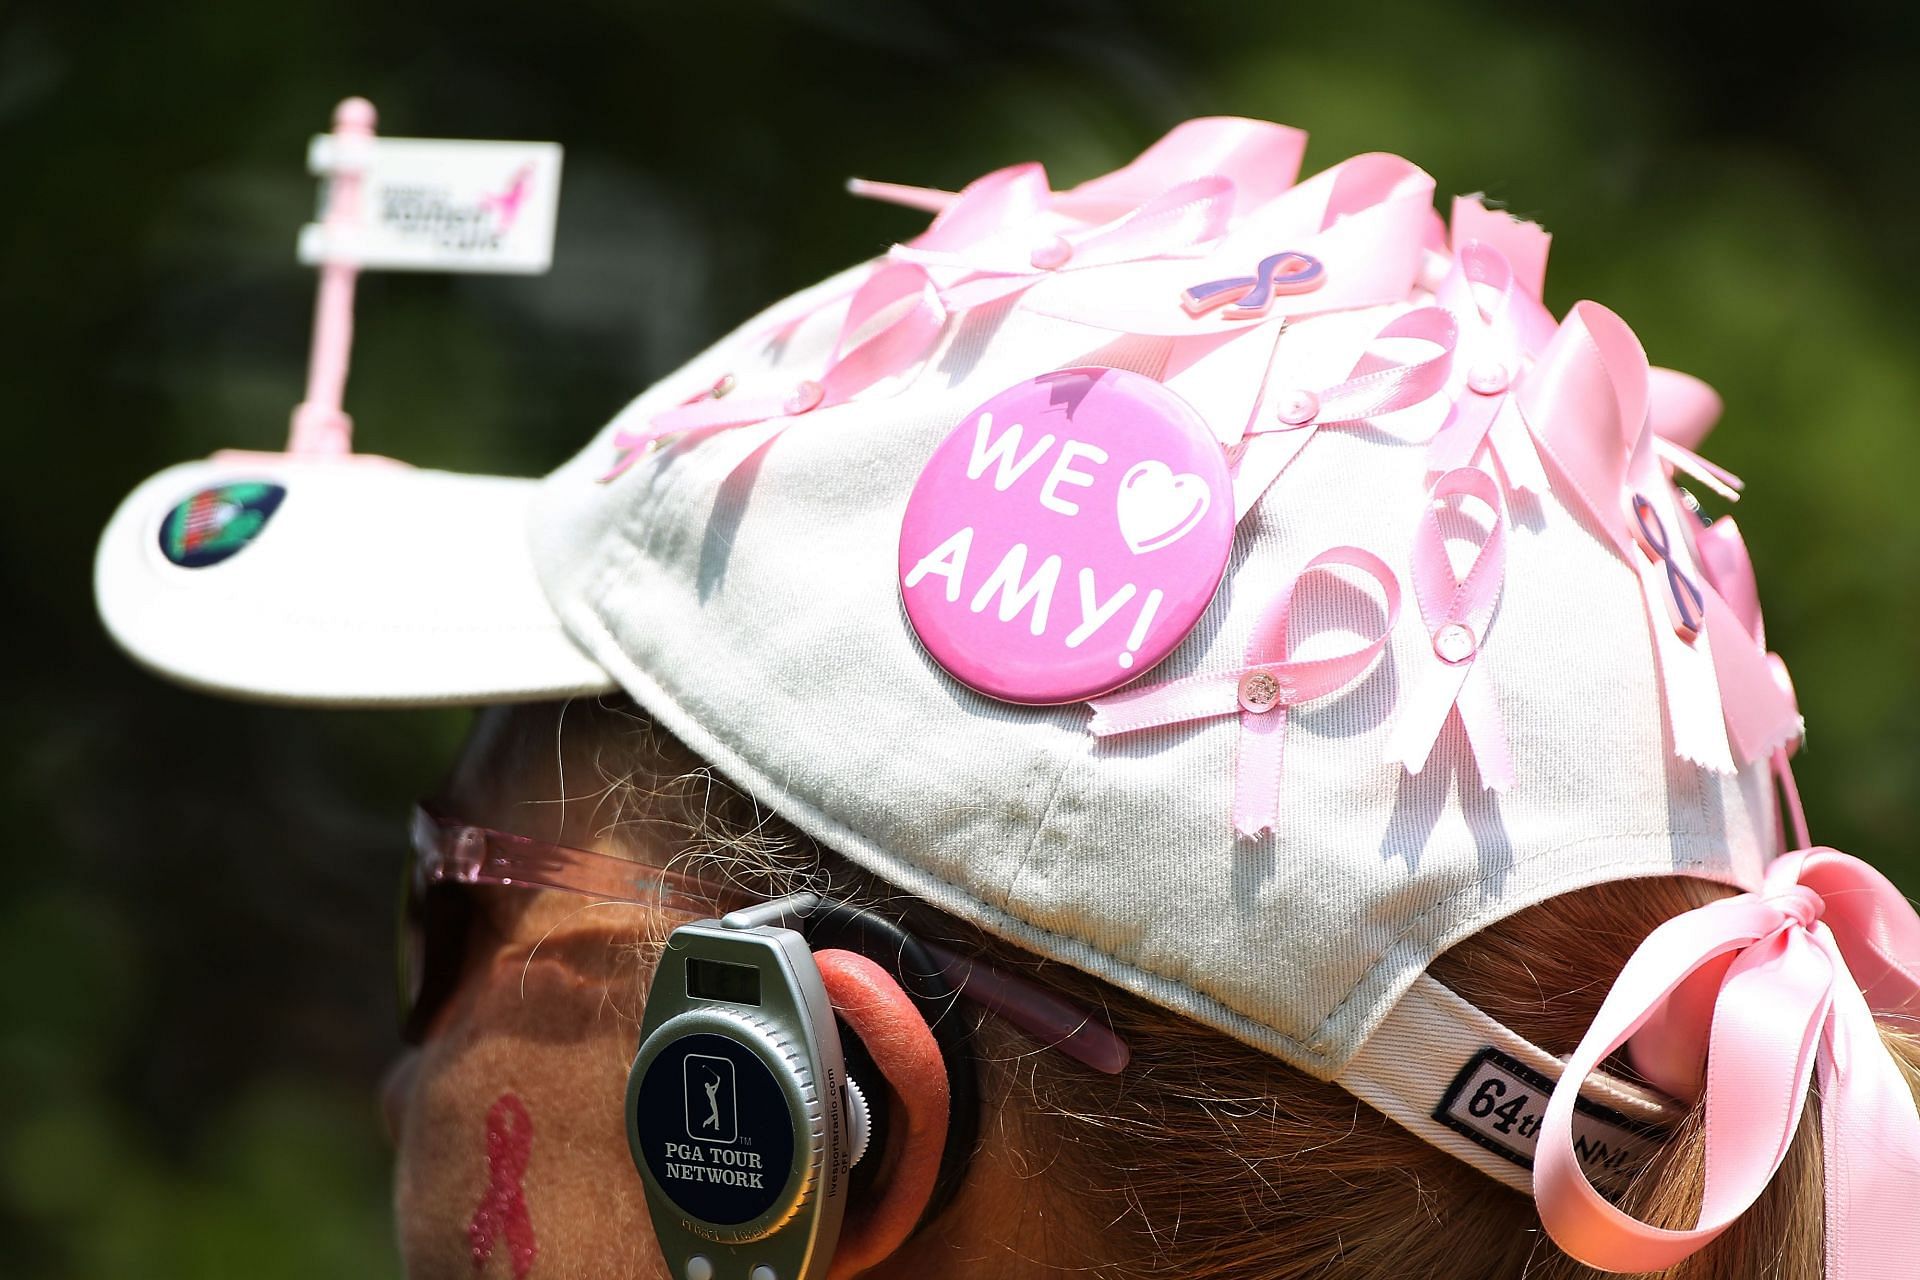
(871,1002)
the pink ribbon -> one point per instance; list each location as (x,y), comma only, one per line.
(1458,611)
(1378,385)
(901,296)
(1502,327)
(1364,220)
(1001,235)
(1586,402)
(1177,222)
(1768,989)
(1683,410)
(1523,244)
(502,1211)
(1763,716)
(1262,159)
(1261,691)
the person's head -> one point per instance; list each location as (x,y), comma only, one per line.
(1202,1158)
(1038,591)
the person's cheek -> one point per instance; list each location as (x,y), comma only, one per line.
(513,1159)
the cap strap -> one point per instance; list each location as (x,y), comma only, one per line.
(1473,1087)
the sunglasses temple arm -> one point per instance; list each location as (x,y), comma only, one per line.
(1054,1022)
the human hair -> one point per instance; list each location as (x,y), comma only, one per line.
(1206,1157)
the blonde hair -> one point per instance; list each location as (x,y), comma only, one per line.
(1207,1158)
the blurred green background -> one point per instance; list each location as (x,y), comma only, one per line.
(196,914)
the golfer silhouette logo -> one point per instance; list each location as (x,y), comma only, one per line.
(712,1113)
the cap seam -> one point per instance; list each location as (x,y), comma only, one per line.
(1040,827)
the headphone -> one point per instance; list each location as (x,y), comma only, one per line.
(744,1112)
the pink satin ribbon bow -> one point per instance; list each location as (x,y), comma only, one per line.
(1261,691)
(1458,611)
(1771,988)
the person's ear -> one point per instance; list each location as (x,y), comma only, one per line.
(914,1090)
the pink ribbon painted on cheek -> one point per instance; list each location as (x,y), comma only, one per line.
(1773,988)
(1261,691)
(502,1212)
(1458,612)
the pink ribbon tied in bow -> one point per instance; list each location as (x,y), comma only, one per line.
(1261,691)
(1768,989)
(1458,612)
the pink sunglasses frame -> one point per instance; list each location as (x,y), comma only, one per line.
(447,851)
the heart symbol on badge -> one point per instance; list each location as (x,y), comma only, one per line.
(1157,508)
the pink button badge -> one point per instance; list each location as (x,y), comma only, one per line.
(1066,536)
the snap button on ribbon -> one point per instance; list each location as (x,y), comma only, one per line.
(1489,378)
(805,398)
(1260,692)
(1052,255)
(1298,408)
(1454,643)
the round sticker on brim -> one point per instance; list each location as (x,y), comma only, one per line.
(217,523)
(1066,536)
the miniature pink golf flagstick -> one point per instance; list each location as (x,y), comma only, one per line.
(1261,691)
(321,428)
(389,203)
(1458,612)
(1065,536)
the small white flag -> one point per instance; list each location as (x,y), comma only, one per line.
(432,204)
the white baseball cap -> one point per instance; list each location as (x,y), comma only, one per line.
(1449,643)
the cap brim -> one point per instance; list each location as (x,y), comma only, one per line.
(362,582)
